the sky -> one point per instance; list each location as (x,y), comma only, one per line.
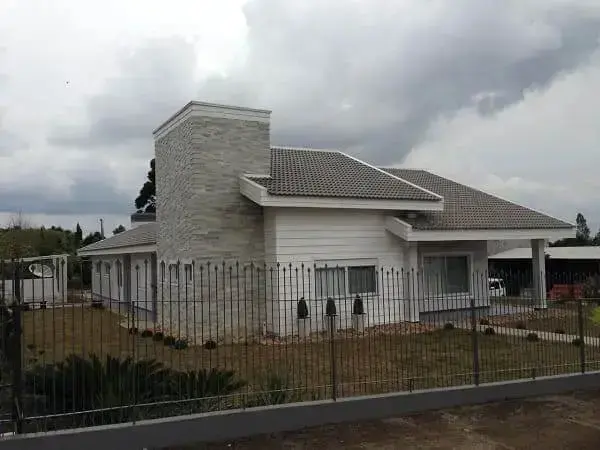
(500,95)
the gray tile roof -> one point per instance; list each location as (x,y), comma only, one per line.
(144,234)
(319,173)
(466,208)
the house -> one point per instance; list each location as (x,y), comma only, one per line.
(41,279)
(567,269)
(295,223)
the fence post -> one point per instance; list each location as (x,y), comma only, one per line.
(331,313)
(475,340)
(16,350)
(581,334)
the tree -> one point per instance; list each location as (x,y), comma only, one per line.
(146,200)
(596,240)
(78,234)
(119,229)
(91,238)
(583,231)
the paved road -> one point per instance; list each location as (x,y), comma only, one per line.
(561,422)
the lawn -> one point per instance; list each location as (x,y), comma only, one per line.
(369,363)
(562,317)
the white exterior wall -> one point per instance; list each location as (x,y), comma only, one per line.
(336,237)
(141,281)
(105,284)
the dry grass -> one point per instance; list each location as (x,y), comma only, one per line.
(373,363)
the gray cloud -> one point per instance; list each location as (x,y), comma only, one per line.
(395,72)
(10,143)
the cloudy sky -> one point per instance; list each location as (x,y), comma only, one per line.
(503,95)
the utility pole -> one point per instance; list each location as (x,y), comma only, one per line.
(102,228)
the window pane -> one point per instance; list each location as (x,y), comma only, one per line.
(330,282)
(362,280)
(433,269)
(457,270)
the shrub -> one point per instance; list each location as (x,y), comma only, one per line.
(180,344)
(133,330)
(302,309)
(559,331)
(43,304)
(577,342)
(532,337)
(449,326)
(147,333)
(210,345)
(330,308)
(484,321)
(169,341)
(520,325)
(97,304)
(489,331)
(158,336)
(358,306)
(206,386)
(274,390)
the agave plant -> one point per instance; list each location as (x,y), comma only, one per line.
(104,389)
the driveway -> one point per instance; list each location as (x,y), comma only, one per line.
(560,422)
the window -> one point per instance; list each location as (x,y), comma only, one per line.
(362,280)
(98,267)
(330,282)
(119,273)
(446,275)
(345,281)
(173,273)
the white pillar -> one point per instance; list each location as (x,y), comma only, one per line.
(412,282)
(538,259)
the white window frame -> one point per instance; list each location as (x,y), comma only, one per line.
(444,254)
(345,264)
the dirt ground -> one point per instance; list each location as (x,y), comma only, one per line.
(559,422)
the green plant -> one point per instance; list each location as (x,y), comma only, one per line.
(274,390)
(532,337)
(207,387)
(559,331)
(302,309)
(210,345)
(180,344)
(449,326)
(358,307)
(158,336)
(577,342)
(133,330)
(169,341)
(489,331)
(146,333)
(484,321)
(520,325)
(330,308)
(87,384)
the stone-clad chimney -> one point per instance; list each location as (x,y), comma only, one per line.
(200,153)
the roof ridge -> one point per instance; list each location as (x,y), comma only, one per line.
(393,176)
(304,149)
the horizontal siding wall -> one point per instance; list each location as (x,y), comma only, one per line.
(305,237)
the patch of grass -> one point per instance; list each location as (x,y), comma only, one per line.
(373,363)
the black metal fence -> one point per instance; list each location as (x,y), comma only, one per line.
(145,339)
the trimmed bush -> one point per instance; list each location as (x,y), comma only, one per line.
(169,341)
(358,306)
(484,321)
(158,336)
(330,308)
(521,325)
(210,345)
(559,331)
(577,342)
(449,326)
(147,333)
(489,331)
(133,330)
(180,344)
(302,309)
(533,337)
